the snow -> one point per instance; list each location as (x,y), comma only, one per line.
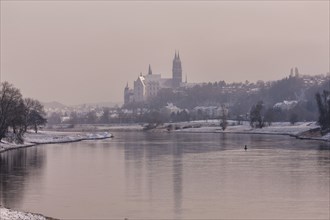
(172,108)
(44,137)
(286,105)
(326,137)
(62,137)
(278,128)
(47,137)
(121,127)
(275,128)
(209,126)
(8,214)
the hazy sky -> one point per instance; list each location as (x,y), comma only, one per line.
(86,51)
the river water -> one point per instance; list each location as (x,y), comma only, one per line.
(139,175)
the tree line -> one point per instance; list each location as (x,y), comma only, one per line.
(323,103)
(254,102)
(17,114)
(259,117)
(239,97)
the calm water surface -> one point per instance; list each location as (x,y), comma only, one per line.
(140,175)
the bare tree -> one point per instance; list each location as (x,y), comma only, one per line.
(10,107)
(36,120)
(34,114)
(269,116)
(293,118)
(223,117)
(91,117)
(323,104)
(105,118)
(256,119)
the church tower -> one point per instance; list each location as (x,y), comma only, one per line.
(126,94)
(176,71)
(149,71)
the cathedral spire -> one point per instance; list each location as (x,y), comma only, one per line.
(176,71)
(149,71)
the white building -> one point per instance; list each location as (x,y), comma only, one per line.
(148,86)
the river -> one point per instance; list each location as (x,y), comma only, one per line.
(140,175)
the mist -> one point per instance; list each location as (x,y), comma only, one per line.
(82,51)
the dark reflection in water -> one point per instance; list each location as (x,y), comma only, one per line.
(16,168)
(177,178)
(171,176)
(153,146)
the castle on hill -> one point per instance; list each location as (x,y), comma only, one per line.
(148,86)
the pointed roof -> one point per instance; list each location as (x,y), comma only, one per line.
(178,55)
(149,71)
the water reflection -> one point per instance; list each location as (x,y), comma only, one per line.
(172,176)
(142,158)
(177,178)
(147,156)
(16,168)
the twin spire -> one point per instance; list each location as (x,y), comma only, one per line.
(177,55)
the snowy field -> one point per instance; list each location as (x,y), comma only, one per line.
(8,214)
(209,126)
(276,128)
(96,127)
(51,137)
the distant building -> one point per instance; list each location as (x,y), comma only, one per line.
(128,94)
(148,86)
(176,71)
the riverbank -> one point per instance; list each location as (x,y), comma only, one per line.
(95,127)
(9,214)
(53,137)
(300,130)
(44,137)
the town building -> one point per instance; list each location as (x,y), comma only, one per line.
(148,86)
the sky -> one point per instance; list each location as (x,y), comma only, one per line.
(86,51)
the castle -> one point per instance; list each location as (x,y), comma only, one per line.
(147,86)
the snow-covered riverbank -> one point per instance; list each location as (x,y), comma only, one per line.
(44,137)
(275,128)
(302,130)
(8,214)
(51,137)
